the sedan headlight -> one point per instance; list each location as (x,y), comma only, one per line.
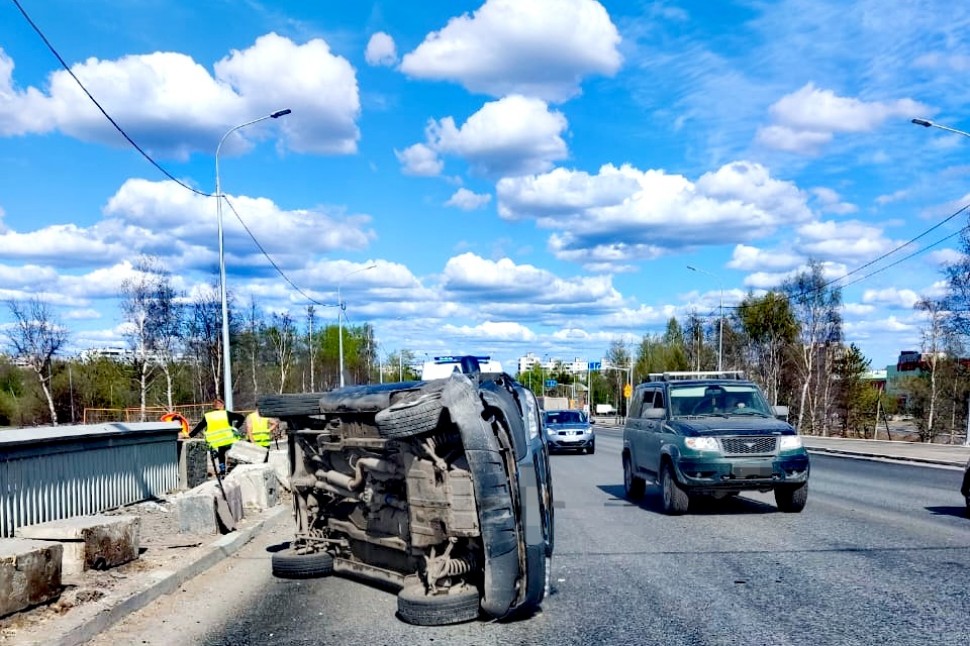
(702,443)
(790,443)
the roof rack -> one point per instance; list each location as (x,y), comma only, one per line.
(710,374)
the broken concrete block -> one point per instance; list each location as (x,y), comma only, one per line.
(247,453)
(233,495)
(193,462)
(280,459)
(90,542)
(196,513)
(30,573)
(258,484)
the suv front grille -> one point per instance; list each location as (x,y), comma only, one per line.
(748,445)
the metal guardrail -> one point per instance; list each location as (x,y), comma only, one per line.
(59,472)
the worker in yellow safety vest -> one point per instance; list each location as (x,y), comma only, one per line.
(260,430)
(219,427)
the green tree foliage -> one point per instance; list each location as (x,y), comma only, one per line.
(768,324)
(617,362)
(855,398)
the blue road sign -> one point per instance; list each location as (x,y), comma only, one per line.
(595,365)
(551,383)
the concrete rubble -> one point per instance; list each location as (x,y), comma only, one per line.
(247,453)
(89,542)
(30,573)
(258,485)
(280,459)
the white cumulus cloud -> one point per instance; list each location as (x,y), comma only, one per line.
(540,48)
(173,106)
(492,330)
(810,117)
(624,214)
(512,136)
(468,200)
(381,50)
(504,280)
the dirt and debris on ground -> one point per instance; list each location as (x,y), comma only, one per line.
(162,548)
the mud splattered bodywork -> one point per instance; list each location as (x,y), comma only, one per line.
(440,489)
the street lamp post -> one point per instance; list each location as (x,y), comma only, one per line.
(341,306)
(926,123)
(226,359)
(720,315)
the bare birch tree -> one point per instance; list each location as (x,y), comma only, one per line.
(282,335)
(153,323)
(816,307)
(932,342)
(36,336)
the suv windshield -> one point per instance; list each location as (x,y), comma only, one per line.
(565,417)
(717,399)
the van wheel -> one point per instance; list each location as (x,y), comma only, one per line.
(459,604)
(633,486)
(791,499)
(675,499)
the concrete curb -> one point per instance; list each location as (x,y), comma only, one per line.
(860,455)
(165,581)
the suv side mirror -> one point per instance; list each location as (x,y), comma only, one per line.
(654,413)
(781,412)
(591,421)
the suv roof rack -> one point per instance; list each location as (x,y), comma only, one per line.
(710,374)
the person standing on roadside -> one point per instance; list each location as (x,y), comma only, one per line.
(219,427)
(260,430)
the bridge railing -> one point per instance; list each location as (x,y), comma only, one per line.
(50,473)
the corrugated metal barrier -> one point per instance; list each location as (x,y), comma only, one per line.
(59,472)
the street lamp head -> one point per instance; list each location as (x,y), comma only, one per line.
(922,122)
(280,113)
(692,268)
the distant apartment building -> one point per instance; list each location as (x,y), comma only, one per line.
(121,355)
(552,364)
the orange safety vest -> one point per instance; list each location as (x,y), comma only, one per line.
(260,429)
(218,431)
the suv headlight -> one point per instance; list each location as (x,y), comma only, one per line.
(702,444)
(790,442)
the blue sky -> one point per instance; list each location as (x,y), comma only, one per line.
(525,176)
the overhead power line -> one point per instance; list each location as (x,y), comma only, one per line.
(278,269)
(902,246)
(157,165)
(103,111)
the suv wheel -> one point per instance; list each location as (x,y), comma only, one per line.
(458,604)
(791,499)
(591,449)
(409,418)
(675,499)
(633,486)
(293,565)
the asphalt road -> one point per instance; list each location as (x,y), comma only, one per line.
(881,555)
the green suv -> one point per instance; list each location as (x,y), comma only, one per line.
(710,434)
